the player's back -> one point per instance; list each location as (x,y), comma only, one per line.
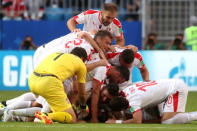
(67,43)
(61,65)
(144,94)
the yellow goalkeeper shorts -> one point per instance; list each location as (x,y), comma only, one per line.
(52,89)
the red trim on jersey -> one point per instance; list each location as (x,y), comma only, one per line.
(75,18)
(142,66)
(112,55)
(89,57)
(99,17)
(175,101)
(91,53)
(108,68)
(98,81)
(122,94)
(138,56)
(90,12)
(136,111)
(117,22)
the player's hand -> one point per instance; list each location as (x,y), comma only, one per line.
(82,111)
(81,35)
(76,30)
(132,47)
(110,121)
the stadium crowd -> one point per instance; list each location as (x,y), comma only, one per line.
(61,9)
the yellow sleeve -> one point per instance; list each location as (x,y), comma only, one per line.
(81,74)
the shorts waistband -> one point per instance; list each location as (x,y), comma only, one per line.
(43,75)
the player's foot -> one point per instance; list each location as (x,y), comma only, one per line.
(7,115)
(43,117)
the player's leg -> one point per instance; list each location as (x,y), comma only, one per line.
(24,97)
(174,108)
(22,101)
(52,90)
(26,112)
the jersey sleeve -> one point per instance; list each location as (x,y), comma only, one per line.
(81,74)
(138,60)
(117,29)
(84,16)
(100,74)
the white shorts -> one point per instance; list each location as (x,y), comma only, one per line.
(177,101)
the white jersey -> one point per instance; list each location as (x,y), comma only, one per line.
(98,74)
(64,44)
(145,94)
(91,21)
(113,58)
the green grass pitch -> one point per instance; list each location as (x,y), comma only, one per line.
(30,126)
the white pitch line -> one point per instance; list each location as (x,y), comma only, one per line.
(89,127)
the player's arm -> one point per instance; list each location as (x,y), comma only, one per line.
(144,73)
(92,66)
(89,39)
(81,78)
(137,119)
(95,100)
(72,25)
(82,94)
(120,41)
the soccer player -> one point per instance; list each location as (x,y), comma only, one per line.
(99,20)
(98,77)
(173,92)
(47,81)
(126,57)
(21,105)
(66,43)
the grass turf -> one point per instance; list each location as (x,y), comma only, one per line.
(30,126)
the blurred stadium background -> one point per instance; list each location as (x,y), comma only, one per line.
(165,18)
(46,20)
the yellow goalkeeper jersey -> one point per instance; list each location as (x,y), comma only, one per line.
(63,66)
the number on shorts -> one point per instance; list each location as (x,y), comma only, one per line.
(143,85)
(58,56)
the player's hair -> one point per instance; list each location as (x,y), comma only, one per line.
(102,34)
(110,7)
(124,72)
(113,89)
(118,103)
(127,56)
(80,52)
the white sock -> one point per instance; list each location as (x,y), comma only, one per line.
(24,97)
(19,105)
(181,118)
(46,108)
(27,112)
